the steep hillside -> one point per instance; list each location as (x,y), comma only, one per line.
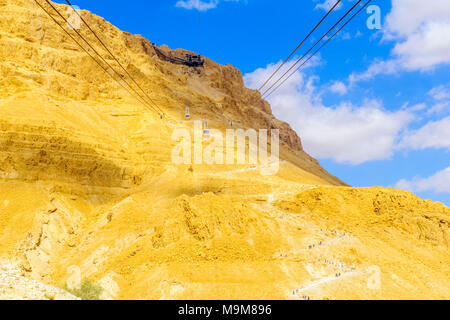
(88,189)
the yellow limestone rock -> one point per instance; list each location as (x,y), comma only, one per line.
(88,189)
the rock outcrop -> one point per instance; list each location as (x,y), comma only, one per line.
(88,189)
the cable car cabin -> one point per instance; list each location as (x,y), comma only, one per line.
(206,131)
(189,59)
(187,115)
(194,61)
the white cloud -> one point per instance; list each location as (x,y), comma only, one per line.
(440,107)
(440,93)
(346,133)
(338,87)
(421,30)
(345,35)
(407,16)
(200,5)
(426,48)
(328,4)
(197,4)
(376,68)
(435,134)
(437,183)
(414,108)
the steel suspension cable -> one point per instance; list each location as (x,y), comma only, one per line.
(300,59)
(323,45)
(114,57)
(101,57)
(88,53)
(298,47)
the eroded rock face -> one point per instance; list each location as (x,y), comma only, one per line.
(57,65)
(88,189)
(63,117)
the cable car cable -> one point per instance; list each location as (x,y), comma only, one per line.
(101,57)
(325,43)
(109,51)
(287,59)
(88,53)
(300,59)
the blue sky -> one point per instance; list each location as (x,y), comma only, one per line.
(373,106)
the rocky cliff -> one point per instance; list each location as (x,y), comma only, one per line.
(88,189)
